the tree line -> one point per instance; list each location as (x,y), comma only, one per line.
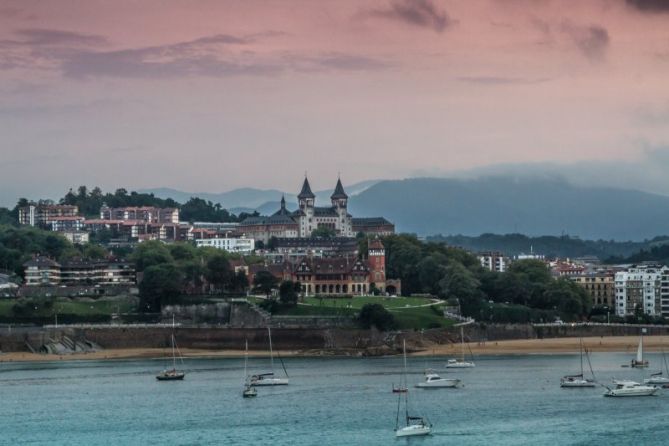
(525,293)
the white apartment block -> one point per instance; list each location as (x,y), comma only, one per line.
(493,261)
(240,245)
(644,287)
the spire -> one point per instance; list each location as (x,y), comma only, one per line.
(283,202)
(339,191)
(306,190)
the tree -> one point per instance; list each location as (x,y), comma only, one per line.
(239,281)
(460,283)
(97,252)
(375,315)
(160,285)
(264,282)
(288,292)
(151,253)
(218,271)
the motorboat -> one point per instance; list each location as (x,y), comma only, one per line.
(576,381)
(630,388)
(460,363)
(434,381)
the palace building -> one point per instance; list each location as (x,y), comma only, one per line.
(309,217)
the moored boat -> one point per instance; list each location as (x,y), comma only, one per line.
(630,388)
(579,381)
(268,379)
(434,381)
(460,363)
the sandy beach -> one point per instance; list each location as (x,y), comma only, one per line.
(625,344)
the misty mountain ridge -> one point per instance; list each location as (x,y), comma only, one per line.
(248,199)
(542,205)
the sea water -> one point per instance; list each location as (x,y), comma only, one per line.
(510,400)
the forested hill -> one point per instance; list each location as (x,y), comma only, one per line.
(552,246)
(428,206)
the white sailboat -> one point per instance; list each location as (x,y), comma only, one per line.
(657,378)
(630,388)
(639,362)
(434,381)
(249,391)
(268,379)
(172,374)
(415,426)
(573,381)
(460,363)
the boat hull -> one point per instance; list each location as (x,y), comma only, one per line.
(440,384)
(575,384)
(657,381)
(270,382)
(413,431)
(179,376)
(460,365)
(639,391)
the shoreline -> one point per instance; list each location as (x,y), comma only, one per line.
(621,344)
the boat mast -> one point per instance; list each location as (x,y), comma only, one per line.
(271,355)
(404,351)
(174,357)
(246,359)
(581,356)
(462,343)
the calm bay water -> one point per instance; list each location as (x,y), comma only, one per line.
(505,401)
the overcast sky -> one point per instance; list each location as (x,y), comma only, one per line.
(214,95)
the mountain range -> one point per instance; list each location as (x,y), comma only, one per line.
(532,206)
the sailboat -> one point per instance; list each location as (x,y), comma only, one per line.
(657,378)
(268,379)
(172,374)
(249,391)
(639,362)
(579,380)
(415,426)
(460,363)
(403,388)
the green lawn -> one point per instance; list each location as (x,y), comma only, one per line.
(407,312)
(73,307)
(359,302)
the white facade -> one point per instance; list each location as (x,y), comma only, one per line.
(644,287)
(493,261)
(241,244)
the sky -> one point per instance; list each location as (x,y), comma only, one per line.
(213,95)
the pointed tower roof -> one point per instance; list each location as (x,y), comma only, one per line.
(306,190)
(339,191)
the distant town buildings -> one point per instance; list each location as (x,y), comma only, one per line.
(600,286)
(47,215)
(642,288)
(336,275)
(239,245)
(493,261)
(42,271)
